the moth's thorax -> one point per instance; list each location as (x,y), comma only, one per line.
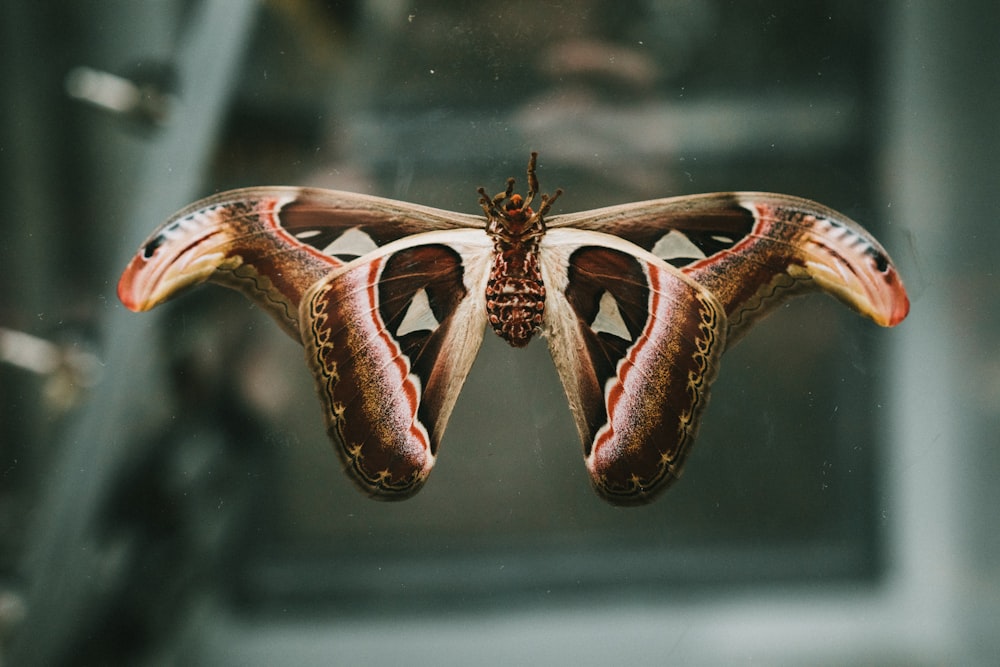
(515,295)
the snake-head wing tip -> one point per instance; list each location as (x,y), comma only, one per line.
(865,280)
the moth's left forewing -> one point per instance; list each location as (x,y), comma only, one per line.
(236,239)
(390,339)
(637,345)
(271,243)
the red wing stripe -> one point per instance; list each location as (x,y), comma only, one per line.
(396,380)
(622,386)
(654,400)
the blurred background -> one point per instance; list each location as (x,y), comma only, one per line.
(167,493)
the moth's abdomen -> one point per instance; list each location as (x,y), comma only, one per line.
(515,296)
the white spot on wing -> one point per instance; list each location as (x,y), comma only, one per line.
(675,245)
(353,242)
(308,234)
(419,316)
(609,318)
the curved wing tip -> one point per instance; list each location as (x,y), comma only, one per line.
(891,304)
(127,290)
(901,308)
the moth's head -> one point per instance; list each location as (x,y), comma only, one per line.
(515,208)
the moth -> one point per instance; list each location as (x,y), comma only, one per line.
(637,302)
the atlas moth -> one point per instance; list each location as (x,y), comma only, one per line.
(637,302)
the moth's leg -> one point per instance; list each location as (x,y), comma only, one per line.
(485,202)
(532,179)
(547,202)
(491,205)
(501,196)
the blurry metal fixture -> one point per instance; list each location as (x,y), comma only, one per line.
(69,370)
(147,97)
(76,576)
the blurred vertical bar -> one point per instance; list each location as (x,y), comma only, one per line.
(69,569)
(941,170)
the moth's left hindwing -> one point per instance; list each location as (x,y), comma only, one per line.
(390,339)
(637,345)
